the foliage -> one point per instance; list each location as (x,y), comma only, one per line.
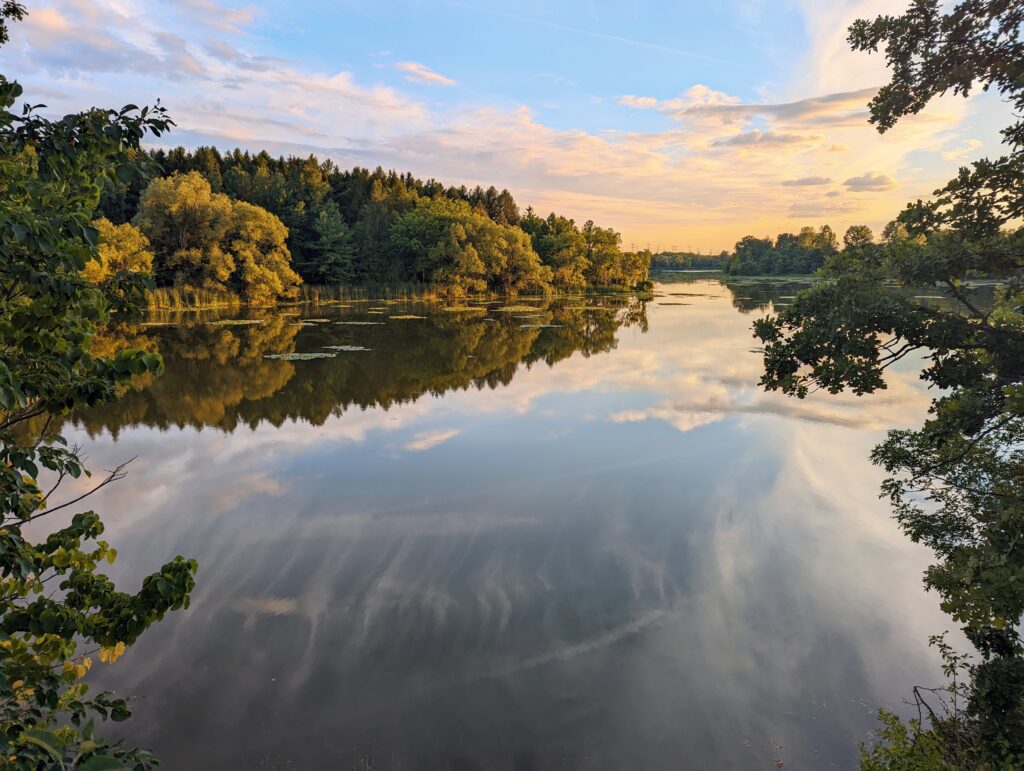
(205,240)
(956,484)
(791,253)
(122,248)
(366,228)
(52,596)
(690,260)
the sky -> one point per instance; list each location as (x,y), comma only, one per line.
(684,125)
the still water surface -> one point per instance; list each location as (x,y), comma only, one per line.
(575,537)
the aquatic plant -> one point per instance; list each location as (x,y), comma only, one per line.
(518,309)
(298,356)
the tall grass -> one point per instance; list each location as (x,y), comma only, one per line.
(181,298)
(311,293)
(186,298)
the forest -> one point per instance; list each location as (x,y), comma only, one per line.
(788,254)
(257,227)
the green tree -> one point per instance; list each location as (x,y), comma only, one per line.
(50,174)
(330,257)
(858,237)
(957,484)
(561,247)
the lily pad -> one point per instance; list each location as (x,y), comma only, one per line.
(298,356)
(346,348)
(235,322)
(540,326)
(361,323)
(406,316)
(518,309)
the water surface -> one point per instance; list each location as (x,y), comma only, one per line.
(576,536)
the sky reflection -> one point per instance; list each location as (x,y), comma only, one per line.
(632,557)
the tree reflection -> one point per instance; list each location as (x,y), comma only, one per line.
(217,374)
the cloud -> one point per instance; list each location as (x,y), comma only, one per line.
(429,439)
(963,151)
(216,16)
(719,167)
(420,73)
(870,182)
(806,181)
(841,108)
(756,137)
(639,102)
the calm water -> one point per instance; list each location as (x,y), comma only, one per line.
(485,543)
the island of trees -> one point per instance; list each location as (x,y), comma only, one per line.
(256,227)
(788,254)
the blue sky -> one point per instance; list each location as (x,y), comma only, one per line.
(686,124)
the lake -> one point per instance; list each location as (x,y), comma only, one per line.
(575,535)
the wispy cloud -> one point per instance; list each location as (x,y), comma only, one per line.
(806,182)
(598,35)
(430,439)
(421,73)
(870,182)
(720,165)
(756,137)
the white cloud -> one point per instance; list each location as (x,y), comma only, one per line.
(421,73)
(427,440)
(870,182)
(722,166)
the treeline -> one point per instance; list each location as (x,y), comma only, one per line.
(257,226)
(690,261)
(787,254)
(803,252)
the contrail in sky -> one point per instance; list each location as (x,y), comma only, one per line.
(601,35)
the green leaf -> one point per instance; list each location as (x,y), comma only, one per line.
(48,741)
(101,763)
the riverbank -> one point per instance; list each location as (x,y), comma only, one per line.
(193,298)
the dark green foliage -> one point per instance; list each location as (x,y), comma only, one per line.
(690,261)
(957,484)
(49,314)
(791,253)
(340,225)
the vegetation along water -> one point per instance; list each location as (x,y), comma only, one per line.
(414,477)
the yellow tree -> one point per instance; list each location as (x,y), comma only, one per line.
(257,240)
(204,239)
(122,247)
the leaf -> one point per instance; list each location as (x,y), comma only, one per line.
(101,763)
(48,741)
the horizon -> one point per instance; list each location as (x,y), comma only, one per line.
(629,116)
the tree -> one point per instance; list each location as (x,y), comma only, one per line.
(122,247)
(256,240)
(330,257)
(956,484)
(186,223)
(561,247)
(858,237)
(53,598)
(204,239)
